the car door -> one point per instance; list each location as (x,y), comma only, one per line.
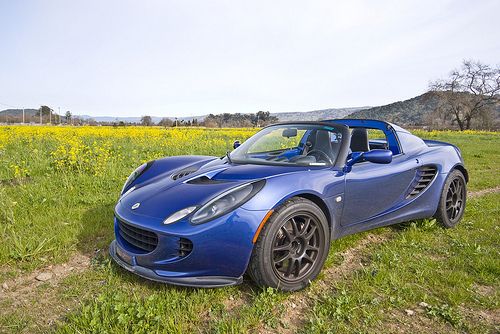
(371,190)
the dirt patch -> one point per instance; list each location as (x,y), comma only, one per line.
(299,302)
(401,322)
(488,317)
(15,181)
(36,291)
(22,286)
(484,290)
(479,193)
(234,303)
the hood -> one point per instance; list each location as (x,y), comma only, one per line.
(166,195)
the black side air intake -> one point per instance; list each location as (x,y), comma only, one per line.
(185,247)
(423,178)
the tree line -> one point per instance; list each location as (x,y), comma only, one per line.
(237,120)
(43,115)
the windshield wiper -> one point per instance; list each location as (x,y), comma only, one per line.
(229,157)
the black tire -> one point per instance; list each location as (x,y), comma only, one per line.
(453,199)
(292,246)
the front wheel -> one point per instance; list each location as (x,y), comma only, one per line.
(292,246)
(453,198)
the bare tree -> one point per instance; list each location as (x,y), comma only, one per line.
(146,120)
(468,93)
(68,117)
(166,122)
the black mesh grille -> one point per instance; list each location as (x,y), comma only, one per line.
(185,247)
(423,178)
(137,237)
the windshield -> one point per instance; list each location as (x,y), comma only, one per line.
(291,144)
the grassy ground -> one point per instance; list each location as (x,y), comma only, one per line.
(58,187)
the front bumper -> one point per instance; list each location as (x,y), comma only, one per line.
(202,281)
(219,253)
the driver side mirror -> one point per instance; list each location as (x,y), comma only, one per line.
(378,156)
(236,144)
(375,156)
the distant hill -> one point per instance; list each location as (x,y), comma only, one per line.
(316,115)
(109,119)
(412,112)
(132,119)
(408,112)
(12,113)
(416,111)
(283,117)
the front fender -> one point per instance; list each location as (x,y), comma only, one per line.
(323,187)
(323,183)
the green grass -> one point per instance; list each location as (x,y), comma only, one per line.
(48,214)
(480,151)
(422,263)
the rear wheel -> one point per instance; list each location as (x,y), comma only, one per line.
(292,246)
(453,198)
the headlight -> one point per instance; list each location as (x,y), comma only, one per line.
(135,174)
(179,215)
(226,202)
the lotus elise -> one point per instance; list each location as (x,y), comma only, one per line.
(271,207)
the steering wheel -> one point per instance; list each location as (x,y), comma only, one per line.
(320,154)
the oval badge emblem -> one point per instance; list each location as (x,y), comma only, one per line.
(136,205)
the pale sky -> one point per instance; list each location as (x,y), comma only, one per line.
(186,57)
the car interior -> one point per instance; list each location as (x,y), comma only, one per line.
(322,146)
(318,148)
(360,141)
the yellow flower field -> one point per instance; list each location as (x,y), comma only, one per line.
(91,149)
(58,189)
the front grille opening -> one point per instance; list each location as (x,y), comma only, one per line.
(137,237)
(182,173)
(185,247)
(423,178)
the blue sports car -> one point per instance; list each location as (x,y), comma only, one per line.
(272,206)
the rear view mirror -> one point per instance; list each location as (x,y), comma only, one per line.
(292,132)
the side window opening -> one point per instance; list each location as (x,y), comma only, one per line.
(377,139)
(372,134)
(366,139)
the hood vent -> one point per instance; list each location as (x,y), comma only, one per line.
(423,178)
(204,180)
(182,173)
